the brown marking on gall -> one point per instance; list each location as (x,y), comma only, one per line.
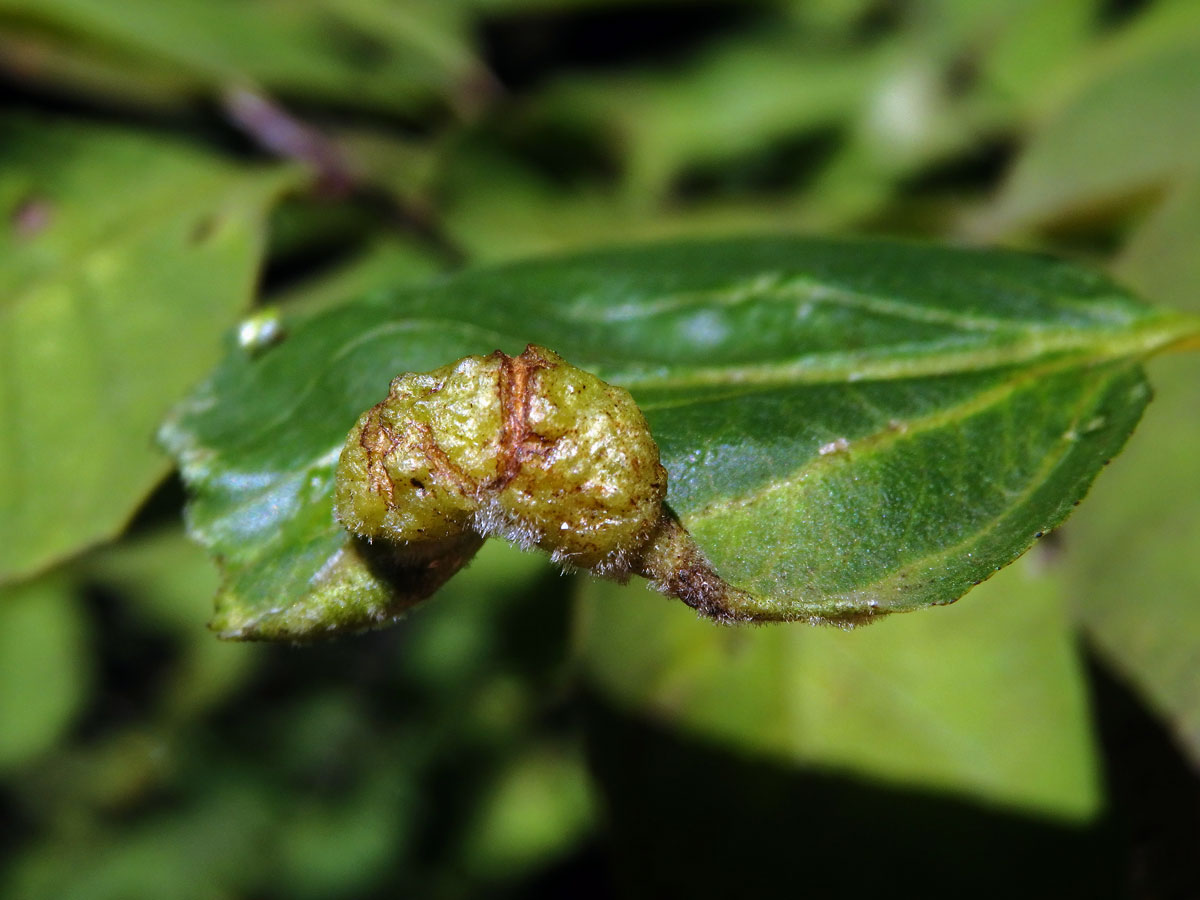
(377,441)
(441,465)
(609,520)
(518,384)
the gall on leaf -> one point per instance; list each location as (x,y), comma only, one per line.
(527,448)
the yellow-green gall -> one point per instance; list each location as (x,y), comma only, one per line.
(528,448)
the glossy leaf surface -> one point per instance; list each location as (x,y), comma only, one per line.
(850,428)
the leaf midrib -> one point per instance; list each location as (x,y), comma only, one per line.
(874,442)
(1074,346)
(1058,349)
(1036,482)
(774,288)
(869,594)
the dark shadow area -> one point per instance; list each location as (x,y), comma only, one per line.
(160,508)
(787,165)
(132,659)
(14,824)
(19,96)
(1114,13)
(985,164)
(526,48)
(689,818)
(581,876)
(1153,791)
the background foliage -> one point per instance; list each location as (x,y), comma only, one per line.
(167,169)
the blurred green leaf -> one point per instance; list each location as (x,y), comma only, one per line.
(166,577)
(851,428)
(1158,258)
(204,852)
(1135,578)
(126,258)
(1126,135)
(56,62)
(43,667)
(1153,29)
(730,101)
(1133,565)
(839,16)
(403,168)
(1032,45)
(498,210)
(335,849)
(539,807)
(355,52)
(986,698)
(1128,132)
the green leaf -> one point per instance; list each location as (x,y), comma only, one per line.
(350,51)
(1132,561)
(205,849)
(126,257)
(538,808)
(1033,44)
(985,699)
(331,849)
(850,428)
(1127,134)
(43,667)
(1133,566)
(731,101)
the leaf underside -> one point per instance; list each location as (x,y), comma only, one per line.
(850,428)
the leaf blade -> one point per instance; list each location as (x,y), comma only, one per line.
(142,254)
(342,51)
(899,703)
(933,327)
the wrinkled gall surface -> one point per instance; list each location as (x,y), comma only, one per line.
(528,448)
